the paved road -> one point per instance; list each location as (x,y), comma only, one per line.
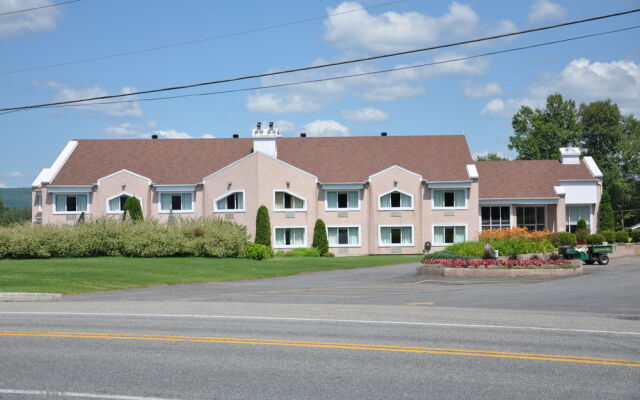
(602,289)
(374,333)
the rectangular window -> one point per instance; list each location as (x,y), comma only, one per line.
(450,198)
(396,236)
(176,202)
(343,200)
(232,202)
(343,236)
(445,235)
(495,217)
(290,237)
(287,201)
(71,203)
(574,213)
(532,218)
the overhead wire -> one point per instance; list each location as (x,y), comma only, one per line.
(326,65)
(40,7)
(338,77)
(189,42)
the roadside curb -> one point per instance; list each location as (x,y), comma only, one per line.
(17,296)
(497,273)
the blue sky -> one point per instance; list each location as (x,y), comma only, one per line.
(475,97)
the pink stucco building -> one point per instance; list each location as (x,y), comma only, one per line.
(377,195)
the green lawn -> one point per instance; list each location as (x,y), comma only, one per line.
(79,275)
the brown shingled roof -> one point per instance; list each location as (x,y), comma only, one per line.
(333,159)
(525,178)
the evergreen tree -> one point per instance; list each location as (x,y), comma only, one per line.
(606,220)
(320,240)
(263,227)
(133,209)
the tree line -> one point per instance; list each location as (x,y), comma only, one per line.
(9,215)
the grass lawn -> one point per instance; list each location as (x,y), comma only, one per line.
(79,275)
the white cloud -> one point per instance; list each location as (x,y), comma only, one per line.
(325,128)
(127,130)
(545,10)
(66,93)
(14,174)
(495,106)
(393,31)
(3,185)
(583,81)
(479,90)
(171,134)
(123,130)
(365,115)
(207,136)
(392,93)
(285,126)
(271,103)
(37,20)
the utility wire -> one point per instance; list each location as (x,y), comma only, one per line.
(38,8)
(189,42)
(350,75)
(352,61)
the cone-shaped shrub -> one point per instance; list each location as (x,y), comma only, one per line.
(133,209)
(606,220)
(263,227)
(320,240)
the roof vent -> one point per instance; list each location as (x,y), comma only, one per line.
(154,136)
(383,133)
(235,136)
(303,134)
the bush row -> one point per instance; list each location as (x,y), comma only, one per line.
(504,247)
(106,237)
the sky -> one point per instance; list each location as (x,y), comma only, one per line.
(475,97)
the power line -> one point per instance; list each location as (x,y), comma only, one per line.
(38,8)
(349,75)
(189,42)
(352,61)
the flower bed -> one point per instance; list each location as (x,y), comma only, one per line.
(499,264)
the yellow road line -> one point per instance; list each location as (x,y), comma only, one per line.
(331,345)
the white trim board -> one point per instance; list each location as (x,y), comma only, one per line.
(519,201)
(395,167)
(123,171)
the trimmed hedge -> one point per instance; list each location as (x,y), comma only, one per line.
(444,255)
(257,251)
(504,247)
(622,237)
(635,236)
(107,237)
(596,238)
(610,236)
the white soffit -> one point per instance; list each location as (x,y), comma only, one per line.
(580,192)
(175,188)
(559,190)
(70,189)
(343,186)
(472,171)
(449,185)
(592,166)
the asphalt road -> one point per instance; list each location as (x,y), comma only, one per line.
(379,333)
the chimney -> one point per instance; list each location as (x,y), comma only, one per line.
(570,155)
(154,136)
(303,134)
(264,140)
(383,133)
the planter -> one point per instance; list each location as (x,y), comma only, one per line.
(497,273)
(625,250)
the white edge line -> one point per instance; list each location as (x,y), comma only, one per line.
(354,321)
(74,394)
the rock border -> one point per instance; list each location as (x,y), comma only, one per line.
(497,272)
(18,296)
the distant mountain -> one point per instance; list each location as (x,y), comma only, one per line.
(16,197)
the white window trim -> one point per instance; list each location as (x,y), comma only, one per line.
(118,195)
(466,200)
(326,203)
(511,211)
(566,214)
(71,212)
(290,246)
(396,208)
(413,232)
(346,226)
(433,233)
(288,209)
(191,211)
(546,214)
(235,210)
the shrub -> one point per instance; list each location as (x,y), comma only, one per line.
(567,239)
(635,236)
(581,225)
(554,238)
(328,254)
(606,219)
(320,240)
(622,237)
(470,249)
(133,209)
(263,227)
(596,238)
(256,251)
(581,236)
(534,257)
(444,255)
(489,235)
(609,236)
(304,252)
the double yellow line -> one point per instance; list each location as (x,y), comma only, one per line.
(332,345)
